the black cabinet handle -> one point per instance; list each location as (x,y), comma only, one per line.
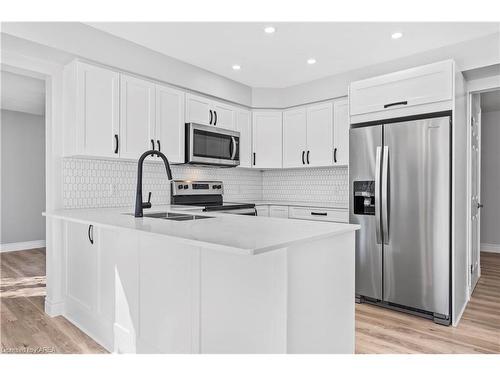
(159,146)
(335,155)
(211,117)
(215,114)
(91,234)
(254,158)
(116,144)
(319,213)
(152,144)
(396,103)
(303,153)
(307,157)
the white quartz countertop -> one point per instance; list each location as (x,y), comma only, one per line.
(241,234)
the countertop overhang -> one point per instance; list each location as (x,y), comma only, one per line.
(248,235)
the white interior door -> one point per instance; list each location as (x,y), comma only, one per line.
(475,239)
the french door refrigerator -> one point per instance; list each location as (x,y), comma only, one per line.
(400,191)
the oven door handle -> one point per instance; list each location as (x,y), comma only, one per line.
(233,153)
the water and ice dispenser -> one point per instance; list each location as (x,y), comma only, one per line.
(364,197)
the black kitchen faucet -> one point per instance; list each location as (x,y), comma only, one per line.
(139,204)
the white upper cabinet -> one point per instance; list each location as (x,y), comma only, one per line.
(198,110)
(223,116)
(308,136)
(390,93)
(319,135)
(205,111)
(137,120)
(267,139)
(341,132)
(294,138)
(244,126)
(92,110)
(169,126)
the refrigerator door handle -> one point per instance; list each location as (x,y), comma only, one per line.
(377,195)
(385,193)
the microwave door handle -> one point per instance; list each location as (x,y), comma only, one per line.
(233,142)
(377,195)
(385,194)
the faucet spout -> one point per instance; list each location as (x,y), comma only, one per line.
(139,204)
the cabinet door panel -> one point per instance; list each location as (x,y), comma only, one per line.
(98,108)
(244,126)
(170,123)
(267,139)
(198,110)
(341,132)
(320,134)
(262,210)
(81,266)
(294,137)
(278,211)
(137,121)
(169,297)
(223,116)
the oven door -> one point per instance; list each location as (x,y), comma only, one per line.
(212,146)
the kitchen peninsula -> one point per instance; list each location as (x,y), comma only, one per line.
(217,284)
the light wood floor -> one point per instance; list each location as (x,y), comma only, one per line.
(380,330)
(24,325)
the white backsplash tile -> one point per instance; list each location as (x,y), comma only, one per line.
(89,183)
(315,185)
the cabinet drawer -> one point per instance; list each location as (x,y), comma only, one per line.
(278,211)
(320,214)
(425,84)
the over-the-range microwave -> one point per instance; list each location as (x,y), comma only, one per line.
(209,145)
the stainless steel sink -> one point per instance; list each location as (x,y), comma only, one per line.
(176,216)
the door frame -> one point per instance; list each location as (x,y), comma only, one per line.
(52,74)
(477,89)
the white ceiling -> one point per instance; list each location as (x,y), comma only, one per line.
(22,94)
(490,101)
(279,59)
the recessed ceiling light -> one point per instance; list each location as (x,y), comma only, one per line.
(236,67)
(269,29)
(311,61)
(397,35)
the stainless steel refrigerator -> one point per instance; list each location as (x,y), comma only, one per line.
(400,192)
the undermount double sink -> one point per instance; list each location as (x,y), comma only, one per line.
(176,216)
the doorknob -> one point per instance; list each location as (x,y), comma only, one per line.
(479,205)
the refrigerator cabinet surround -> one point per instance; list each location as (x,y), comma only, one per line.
(409,163)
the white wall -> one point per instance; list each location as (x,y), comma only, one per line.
(469,55)
(23,177)
(490,177)
(86,42)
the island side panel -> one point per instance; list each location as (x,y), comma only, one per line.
(321,296)
(243,302)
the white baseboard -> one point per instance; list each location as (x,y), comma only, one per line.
(15,246)
(54,309)
(490,247)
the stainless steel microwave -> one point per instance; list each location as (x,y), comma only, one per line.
(209,145)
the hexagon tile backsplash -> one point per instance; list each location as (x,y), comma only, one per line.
(91,183)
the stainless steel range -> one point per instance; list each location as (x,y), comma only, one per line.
(209,195)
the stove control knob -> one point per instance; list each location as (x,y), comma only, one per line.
(219,186)
(180,186)
(214,186)
(186,186)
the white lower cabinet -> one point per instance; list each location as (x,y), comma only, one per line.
(320,214)
(169,291)
(262,210)
(278,211)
